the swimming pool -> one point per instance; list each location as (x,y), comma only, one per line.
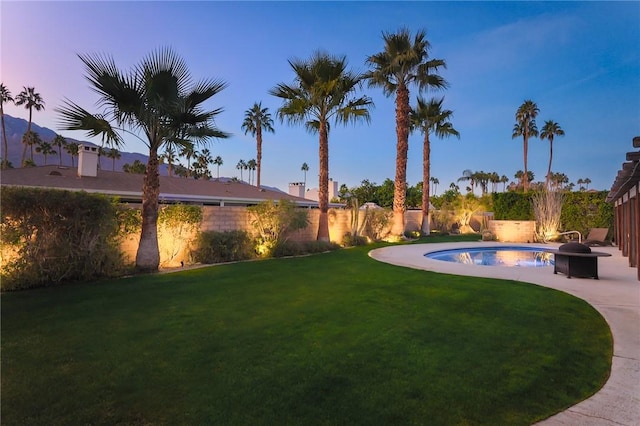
(509,256)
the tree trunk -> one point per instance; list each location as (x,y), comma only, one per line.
(323,192)
(24,141)
(5,157)
(259,153)
(550,158)
(402,148)
(148,255)
(525,176)
(426,165)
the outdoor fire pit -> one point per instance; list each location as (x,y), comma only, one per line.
(577,260)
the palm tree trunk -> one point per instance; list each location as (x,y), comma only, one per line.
(525,176)
(402,148)
(323,191)
(24,149)
(148,255)
(259,153)
(5,158)
(426,165)
(550,158)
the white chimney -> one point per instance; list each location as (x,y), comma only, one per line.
(87,161)
(296,189)
(333,189)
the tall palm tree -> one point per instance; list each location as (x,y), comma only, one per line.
(188,151)
(31,139)
(305,169)
(169,155)
(218,162)
(429,117)
(5,97)
(403,62)
(72,150)
(504,180)
(435,181)
(257,119)
(31,100)
(323,91)
(526,127)
(156,98)
(470,176)
(114,154)
(549,131)
(242,165)
(251,166)
(59,142)
(46,149)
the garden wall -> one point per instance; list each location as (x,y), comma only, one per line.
(513,231)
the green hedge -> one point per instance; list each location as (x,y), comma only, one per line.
(50,236)
(581,210)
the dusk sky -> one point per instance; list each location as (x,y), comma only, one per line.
(579,61)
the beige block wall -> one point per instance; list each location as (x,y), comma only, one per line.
(513,231)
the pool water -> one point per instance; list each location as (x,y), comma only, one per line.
(526,257)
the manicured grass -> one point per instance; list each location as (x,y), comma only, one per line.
(336,338)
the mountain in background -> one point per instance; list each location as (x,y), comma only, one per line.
(16,127)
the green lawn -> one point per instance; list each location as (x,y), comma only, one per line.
(336,338)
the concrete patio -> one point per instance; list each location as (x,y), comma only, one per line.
(616,295)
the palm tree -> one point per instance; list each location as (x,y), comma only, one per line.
(31,100)
(323,90)
(504,180)
(114,154)
(59,142)
(429,117)
(255,121)
(169,155)
(305,169)
(218,162)
(5,97)
(435,181)
(251,166)
(404,62)
(188,150)
(159,99)
(31,138)
(587,181)
(468,175)
(526,127)
(549,131)
(72,150)
(46,149)
(242,165)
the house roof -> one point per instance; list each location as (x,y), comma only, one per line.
(128,186)
(628,176)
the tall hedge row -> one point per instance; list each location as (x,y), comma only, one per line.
(49,236)
(581,210)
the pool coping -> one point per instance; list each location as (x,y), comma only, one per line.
(616,296)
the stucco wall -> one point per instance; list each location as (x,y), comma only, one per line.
(513,231)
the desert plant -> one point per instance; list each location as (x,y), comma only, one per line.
(375,224)
(547,207)
(274,223)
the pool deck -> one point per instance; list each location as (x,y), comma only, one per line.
(616,295)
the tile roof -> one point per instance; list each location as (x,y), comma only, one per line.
(128,186)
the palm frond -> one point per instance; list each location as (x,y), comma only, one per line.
(74,117)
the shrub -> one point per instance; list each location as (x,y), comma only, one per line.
(274,223)
(217,247)
(350,240)
(585,210)
(512,206)
(298,248)
(375,224)
(50,236)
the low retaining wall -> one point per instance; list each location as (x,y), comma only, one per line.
(513,231)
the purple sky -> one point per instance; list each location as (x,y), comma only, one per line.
(579,61)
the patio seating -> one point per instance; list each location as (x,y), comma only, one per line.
(597,237)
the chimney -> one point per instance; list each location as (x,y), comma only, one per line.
(296,189)
(87,161)
(333,189)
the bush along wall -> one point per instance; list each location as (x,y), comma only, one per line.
(583,210)
(51,236)
(512,206)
